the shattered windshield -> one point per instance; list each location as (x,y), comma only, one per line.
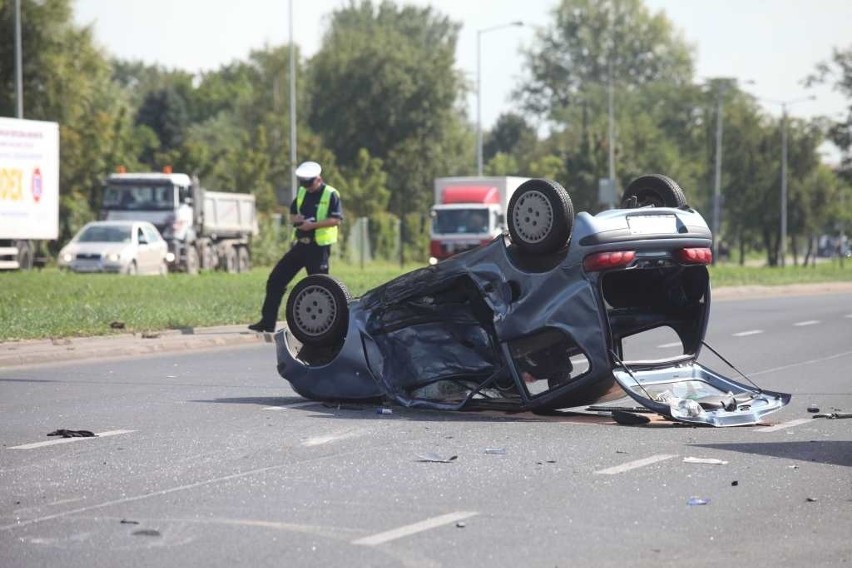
(473,221)
(139,197)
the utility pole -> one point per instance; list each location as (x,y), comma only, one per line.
(479,88)
(292,109)
(19,74)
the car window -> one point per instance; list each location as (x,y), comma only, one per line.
(151,234)
(104,234)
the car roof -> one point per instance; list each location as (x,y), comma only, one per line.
(118,223)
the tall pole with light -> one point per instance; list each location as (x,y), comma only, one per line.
(479,88)
(783,240)
(19,77)
(292,110)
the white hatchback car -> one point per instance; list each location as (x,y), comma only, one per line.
(124,247)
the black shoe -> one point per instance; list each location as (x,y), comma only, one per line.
(261,327)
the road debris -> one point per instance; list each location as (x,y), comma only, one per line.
(629,418)
(496,451)
(813,409)
(384,410)
(73,433)
(698,501)
(432,457)
(833,415)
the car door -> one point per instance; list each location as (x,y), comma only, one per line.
(146,255)
(158,247)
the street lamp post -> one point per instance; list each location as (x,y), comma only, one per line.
(722,83)
(479,88)
(292,109)
(19,88)
(783,241)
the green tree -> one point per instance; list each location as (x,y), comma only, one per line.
(838,71)
(66,79)
(384,81)
(593,41)
(590,45)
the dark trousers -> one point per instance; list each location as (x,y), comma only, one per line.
(311,256)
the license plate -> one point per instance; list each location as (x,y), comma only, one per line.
(652,224)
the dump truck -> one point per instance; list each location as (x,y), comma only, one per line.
(205,230)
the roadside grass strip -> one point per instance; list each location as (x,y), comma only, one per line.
(749,332)
(69,440)
(635,464)
(783,425)
(408,530)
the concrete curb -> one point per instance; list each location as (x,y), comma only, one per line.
(52,351)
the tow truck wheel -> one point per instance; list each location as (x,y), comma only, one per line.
(653,190)
(318,310)
(540,216)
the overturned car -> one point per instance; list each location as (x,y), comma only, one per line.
(539,319)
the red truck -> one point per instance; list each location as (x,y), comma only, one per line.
(468,212)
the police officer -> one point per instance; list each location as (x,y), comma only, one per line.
(315,215)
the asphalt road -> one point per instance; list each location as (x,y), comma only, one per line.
(207,458)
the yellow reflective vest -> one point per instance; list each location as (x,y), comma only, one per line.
(324,235)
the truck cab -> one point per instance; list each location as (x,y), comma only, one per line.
(468,212)
(163,199)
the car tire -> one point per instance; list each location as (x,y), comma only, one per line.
(540,217)
(317,310)
(231,266)
(243,260)
(653,190)
(191,260)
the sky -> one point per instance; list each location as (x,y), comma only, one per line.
(774,44)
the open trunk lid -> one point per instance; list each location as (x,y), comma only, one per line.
(689,392)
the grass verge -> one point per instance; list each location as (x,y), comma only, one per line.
(53,304)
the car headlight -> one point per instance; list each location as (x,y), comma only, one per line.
(67,257)
(113,257)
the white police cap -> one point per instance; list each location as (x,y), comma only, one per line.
(308,170)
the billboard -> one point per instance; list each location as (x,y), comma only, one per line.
(29,179)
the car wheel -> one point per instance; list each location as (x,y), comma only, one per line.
(243,260)
(131,268)
(231,265)
(540,216)
(318,310)
(653,190)
(191,260)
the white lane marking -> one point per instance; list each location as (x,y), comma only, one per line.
(749,332)
(25,523)
(320,440)
(635,464)
(804,323)
(415,528)
(69,440)
(668,345)
(294,405)
(801,363)
(848,316)
(784,425)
